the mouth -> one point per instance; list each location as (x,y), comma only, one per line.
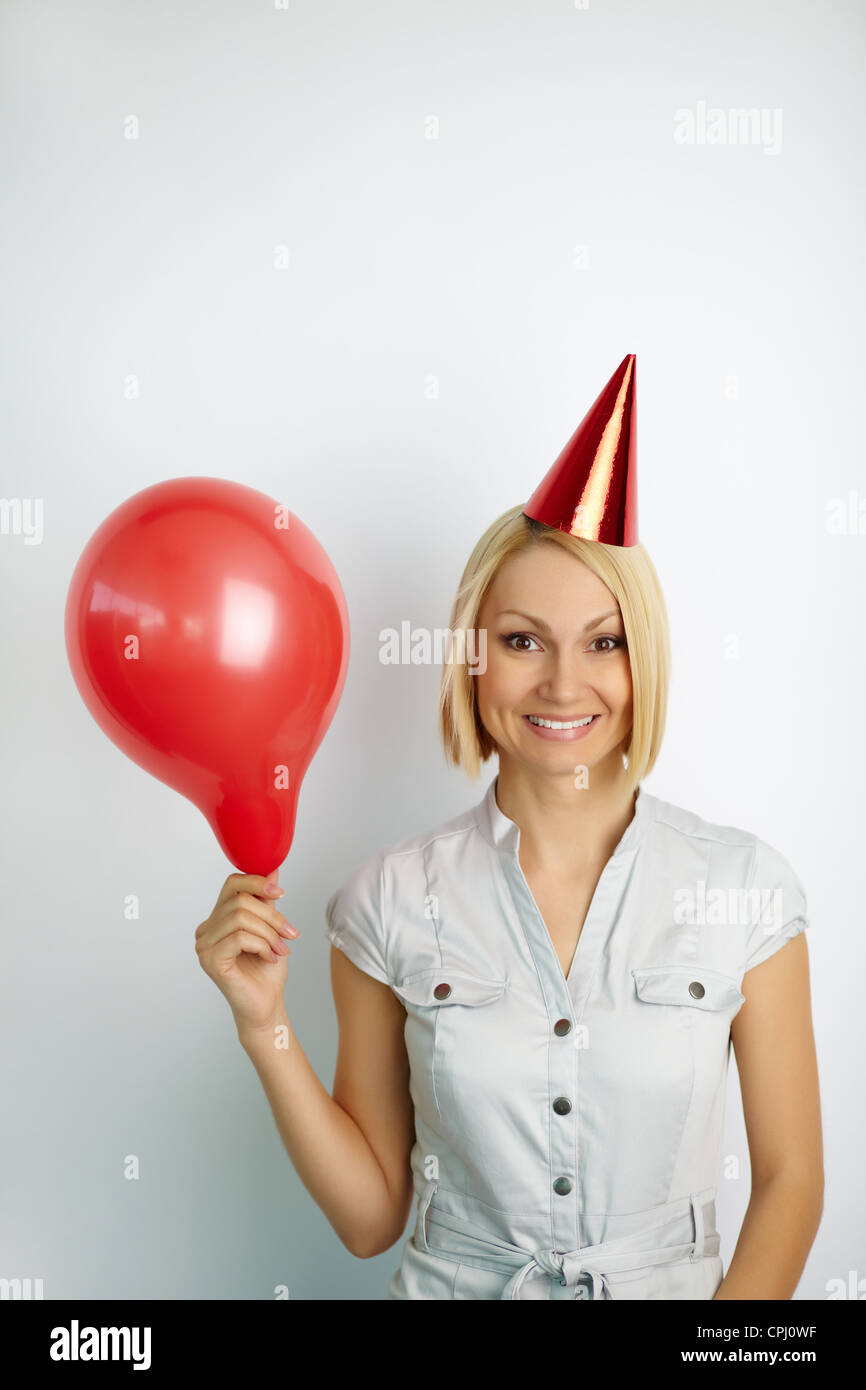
(561,730)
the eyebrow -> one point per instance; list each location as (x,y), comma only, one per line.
(542,627)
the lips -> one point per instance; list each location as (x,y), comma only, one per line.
(567,719)
(567,735)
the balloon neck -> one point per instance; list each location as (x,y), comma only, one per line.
(251,824)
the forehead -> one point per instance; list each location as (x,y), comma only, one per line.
(548,580)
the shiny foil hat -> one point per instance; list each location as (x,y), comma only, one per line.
(591,490)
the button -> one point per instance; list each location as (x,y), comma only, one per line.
(442,991)
(562,1105)
(561,1027)
(696,989)
(562,1187)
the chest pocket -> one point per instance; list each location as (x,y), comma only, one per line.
(692,986)
(455,1037)
(661,1063)
(683,1019)
(443,987)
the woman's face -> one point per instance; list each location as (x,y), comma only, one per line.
(556,650)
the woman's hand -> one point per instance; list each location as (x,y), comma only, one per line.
(242,947)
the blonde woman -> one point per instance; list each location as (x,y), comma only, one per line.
(537,998)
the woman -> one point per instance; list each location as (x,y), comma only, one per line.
(536,999)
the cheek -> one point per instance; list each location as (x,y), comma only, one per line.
(496,684)
(619,689)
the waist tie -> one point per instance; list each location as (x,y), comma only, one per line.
(684,1229)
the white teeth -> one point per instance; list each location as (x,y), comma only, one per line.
(554,724)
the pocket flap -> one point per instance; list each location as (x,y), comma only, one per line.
(443,986)
(694,985)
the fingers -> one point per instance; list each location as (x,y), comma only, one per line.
(248,941)
(267,911)
(242,935)
(247,913)
(242,921)
(248,883)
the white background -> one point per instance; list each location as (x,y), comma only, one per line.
(433,341)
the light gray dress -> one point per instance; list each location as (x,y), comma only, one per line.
(568,1129)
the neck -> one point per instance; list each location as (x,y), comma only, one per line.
(565,830)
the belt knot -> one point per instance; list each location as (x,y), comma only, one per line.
(568,1268)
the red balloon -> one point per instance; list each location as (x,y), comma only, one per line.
(208,635)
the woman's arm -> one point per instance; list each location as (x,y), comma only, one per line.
(351,1151)
(774,1047)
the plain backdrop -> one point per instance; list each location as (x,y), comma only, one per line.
(376,260)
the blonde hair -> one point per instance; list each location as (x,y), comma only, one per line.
(630,575)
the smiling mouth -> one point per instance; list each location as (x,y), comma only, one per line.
(580,722)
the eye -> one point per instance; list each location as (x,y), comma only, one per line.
(510,637)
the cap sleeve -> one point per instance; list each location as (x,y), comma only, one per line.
(777,905)
(355,920)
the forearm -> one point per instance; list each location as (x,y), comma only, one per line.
(778,1230)
(328,1151)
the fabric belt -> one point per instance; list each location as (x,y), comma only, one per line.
(684,1229)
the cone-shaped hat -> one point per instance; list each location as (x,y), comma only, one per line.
(591,490)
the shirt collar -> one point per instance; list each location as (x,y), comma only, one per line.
(501,832)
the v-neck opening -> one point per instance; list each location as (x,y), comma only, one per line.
(507,838)
(567,977)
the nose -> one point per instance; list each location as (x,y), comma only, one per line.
(564,681)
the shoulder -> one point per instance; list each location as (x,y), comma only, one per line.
(392,887)
(447,834)
(400,857)
(676,826)
(727,877)
(736,854)
(677,823)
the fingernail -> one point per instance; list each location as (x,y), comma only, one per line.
(273,891)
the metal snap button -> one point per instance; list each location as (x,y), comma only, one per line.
(562,1105)
(561,1027)
(562,1187)
(442,991)
(696,989)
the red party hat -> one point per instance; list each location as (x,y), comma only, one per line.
(591,490)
